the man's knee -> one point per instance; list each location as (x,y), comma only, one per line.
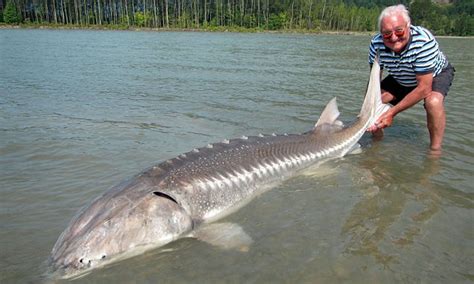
(435,101)
(387,97)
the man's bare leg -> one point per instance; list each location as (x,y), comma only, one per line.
(436,119)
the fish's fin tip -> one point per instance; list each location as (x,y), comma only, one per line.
(329,114)
(227,236)
(355,150)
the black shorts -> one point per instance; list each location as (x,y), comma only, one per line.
(441,84)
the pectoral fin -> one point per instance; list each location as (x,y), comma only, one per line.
(319,171)
(225,236)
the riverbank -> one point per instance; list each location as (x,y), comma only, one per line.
(202,29)
(233,29)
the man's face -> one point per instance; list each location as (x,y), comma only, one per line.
(395,32)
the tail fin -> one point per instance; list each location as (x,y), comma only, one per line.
(372,106)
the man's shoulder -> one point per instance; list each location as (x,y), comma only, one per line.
(377,38)
(377,42)
(421,34)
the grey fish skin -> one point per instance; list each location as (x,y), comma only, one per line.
(172,199)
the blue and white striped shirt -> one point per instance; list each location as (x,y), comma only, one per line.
(420,56)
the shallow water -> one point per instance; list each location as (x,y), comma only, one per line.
(82,110)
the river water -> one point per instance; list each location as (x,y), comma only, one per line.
(81,111)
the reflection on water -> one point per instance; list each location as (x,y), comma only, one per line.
(78,117)
(396,212)
(384,204)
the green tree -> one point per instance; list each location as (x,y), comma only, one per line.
(10,14)
(142,18)
(276,22)
(455,18)
(421,11)
(463,7)
(464,25)
(462,13)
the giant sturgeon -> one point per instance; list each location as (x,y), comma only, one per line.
(179,196)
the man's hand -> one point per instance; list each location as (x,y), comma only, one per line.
(385,120)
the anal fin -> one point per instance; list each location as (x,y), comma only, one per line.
(355,150)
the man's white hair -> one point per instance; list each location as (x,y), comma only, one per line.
(394,10)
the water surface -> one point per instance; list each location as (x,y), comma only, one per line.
(82,110)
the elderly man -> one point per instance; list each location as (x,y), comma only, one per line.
(417,70)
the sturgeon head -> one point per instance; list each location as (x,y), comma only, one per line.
(129,218)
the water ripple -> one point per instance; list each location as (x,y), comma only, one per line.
(103,105)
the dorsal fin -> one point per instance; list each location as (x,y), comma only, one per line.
(329,114)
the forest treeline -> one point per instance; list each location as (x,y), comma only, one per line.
(454,18)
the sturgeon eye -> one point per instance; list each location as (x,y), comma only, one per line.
(103,256)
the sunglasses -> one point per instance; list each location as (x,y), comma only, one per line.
(398,32)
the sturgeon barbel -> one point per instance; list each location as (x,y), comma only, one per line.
(179,196)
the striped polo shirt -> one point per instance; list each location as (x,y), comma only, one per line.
(420,56)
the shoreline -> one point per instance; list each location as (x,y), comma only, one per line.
(208,29)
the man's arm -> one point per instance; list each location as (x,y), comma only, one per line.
(423,89)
